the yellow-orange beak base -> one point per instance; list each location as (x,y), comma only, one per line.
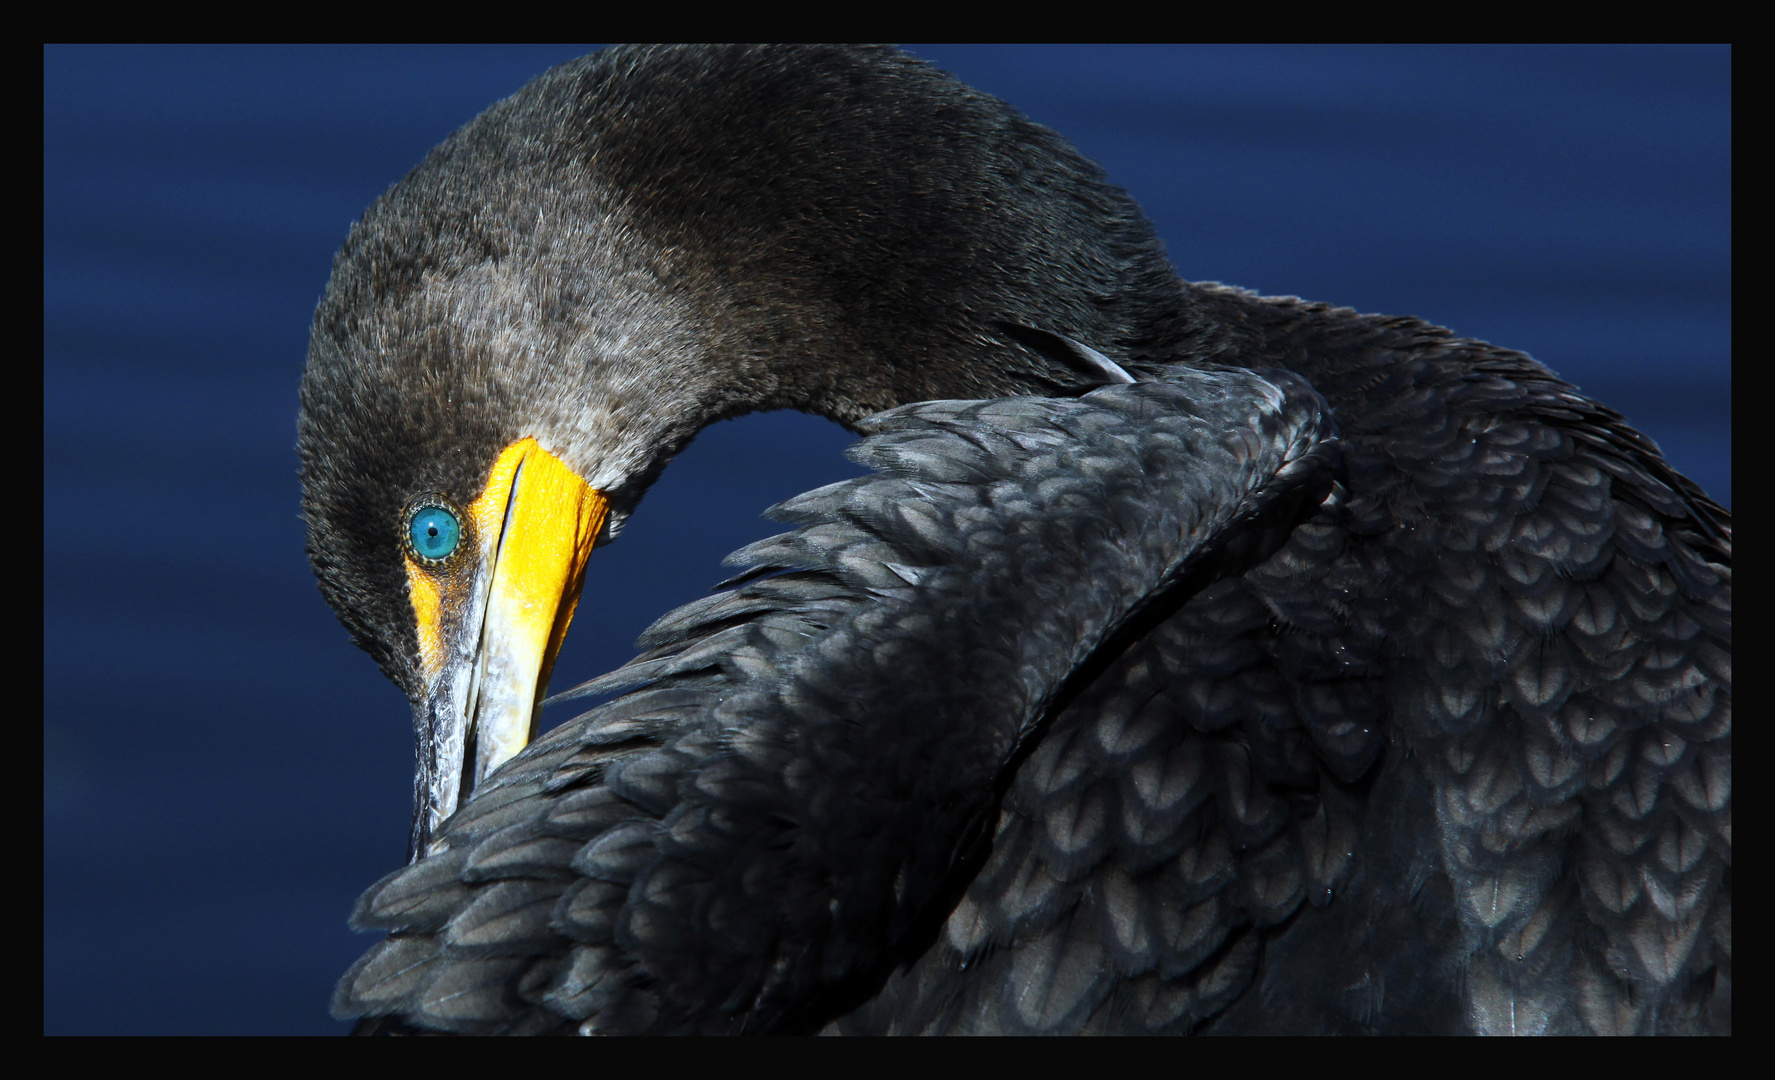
(491,623)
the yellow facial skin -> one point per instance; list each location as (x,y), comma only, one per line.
(492,618)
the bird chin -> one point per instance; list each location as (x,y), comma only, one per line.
(444,738)
(482,711)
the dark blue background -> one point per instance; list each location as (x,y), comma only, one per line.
(223,772)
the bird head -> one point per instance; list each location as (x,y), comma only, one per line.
(519,335)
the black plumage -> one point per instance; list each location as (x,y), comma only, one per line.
(1341,675)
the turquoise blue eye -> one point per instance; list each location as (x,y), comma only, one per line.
(434,532)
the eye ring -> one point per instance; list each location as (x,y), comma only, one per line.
(432,531)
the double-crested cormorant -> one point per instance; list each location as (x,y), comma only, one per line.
(1196,661)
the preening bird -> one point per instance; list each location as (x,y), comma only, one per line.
(1194,661)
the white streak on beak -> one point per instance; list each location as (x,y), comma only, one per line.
(514,640)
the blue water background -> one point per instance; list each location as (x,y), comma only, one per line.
(224,772)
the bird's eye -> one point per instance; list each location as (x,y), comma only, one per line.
(433,533)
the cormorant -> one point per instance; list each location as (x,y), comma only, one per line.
(1196,661)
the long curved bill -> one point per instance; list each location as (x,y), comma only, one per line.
(490,629)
